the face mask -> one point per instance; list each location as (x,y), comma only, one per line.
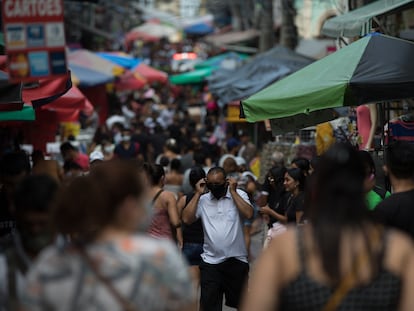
(34,243)
(218,191)
(109,149)
(126,138)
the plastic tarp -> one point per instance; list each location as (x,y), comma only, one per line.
(256,74)
(359,21)
(27,113)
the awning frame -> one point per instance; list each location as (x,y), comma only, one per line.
(358,22)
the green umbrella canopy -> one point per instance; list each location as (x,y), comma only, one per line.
(374,68)
(26,114)
(218,60)
(195,76)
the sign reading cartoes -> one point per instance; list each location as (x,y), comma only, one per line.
(35,38)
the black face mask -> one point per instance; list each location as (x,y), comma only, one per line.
(218,191)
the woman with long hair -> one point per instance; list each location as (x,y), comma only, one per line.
(340,260)
(165,222)
(107,265)
(291,205)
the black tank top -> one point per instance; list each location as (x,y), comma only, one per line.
(307,294)
(192,233)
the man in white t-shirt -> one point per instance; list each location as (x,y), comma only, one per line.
(224,267)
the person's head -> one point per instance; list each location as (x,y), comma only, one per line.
(294,180)
(301,163)
(37,156)
(313,164)
(216,182)
(112,196)
(175,165)
(68,151)
(400,160)
(230,165)
(276,176)
(241,164)
(126,136)
(171,145)
(278,159)
(96,157)
(243,136)
(72,169)
(155,174)
(336,202)
(199,158)
(233,145)
(370,171)
(14,166)
(196,174)
(33,201)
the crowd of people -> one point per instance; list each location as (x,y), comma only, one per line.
(125,233)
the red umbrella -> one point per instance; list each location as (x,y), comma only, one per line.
(151,74)
(46,90)
(68,107)
(130,81)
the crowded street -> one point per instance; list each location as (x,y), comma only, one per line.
(206,155)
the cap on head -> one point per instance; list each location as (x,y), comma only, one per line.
(96,156)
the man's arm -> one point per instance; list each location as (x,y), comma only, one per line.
(189,212)
(244,207)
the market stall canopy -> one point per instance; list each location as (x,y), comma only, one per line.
(68,107)
(151,74)
(27,113)
(178,22)
(374,68)
(13,95)
(10,94)
(90,60)
(359,21)
(191,77)
(255,74)
(47,90)
(232,37)
(85,77)
(229,60)
(122,59)
(130,81)
(152,31)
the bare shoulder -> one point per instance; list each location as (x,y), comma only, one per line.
(284,248)
(399,250)
(167,195)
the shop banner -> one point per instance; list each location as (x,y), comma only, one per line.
(35,39)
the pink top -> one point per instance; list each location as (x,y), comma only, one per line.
(160,225)
(83,161)
(363,124)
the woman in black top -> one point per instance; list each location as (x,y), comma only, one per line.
(292,203)
(193,236)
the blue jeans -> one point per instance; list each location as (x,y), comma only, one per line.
(192,252)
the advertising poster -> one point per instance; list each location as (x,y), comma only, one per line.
(34,35)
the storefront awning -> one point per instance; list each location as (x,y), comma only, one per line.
(359,22)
